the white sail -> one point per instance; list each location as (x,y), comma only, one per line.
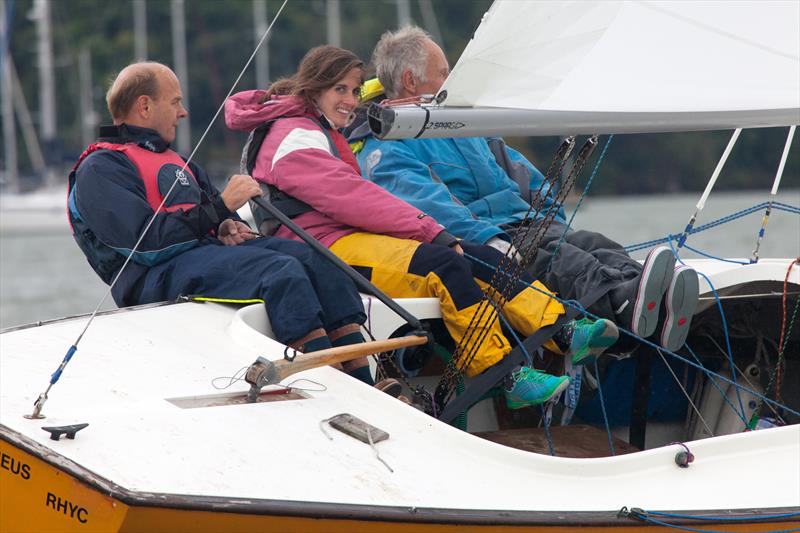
(659,56)
(582,67)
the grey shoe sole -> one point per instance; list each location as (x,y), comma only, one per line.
(681,303)
(655,279)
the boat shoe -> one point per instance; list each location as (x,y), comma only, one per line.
(531,387)
(589,338)
(680,303)
(390,386)
(641,315)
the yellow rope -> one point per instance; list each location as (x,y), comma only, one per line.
(225,300)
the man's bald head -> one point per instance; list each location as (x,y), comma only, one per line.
(138,79)
(147,95)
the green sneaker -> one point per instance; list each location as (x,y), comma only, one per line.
(589,338)
(531,387)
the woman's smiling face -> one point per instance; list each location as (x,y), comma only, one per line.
(338,102)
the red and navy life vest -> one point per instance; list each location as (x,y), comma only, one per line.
(151,166)
(158,171)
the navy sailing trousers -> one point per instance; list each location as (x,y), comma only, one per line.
(301,289)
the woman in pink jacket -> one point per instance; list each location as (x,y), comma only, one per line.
(403,251)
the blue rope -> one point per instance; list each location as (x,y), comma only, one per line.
(724,330)
(704,254)
(698,530)
(546,425)
(529,360)
(714,223)
(725,518)
(719,389)
(641,340)
(580,201)
(603,408)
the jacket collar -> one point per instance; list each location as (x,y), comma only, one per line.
(125,133)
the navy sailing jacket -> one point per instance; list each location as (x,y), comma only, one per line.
(109,208)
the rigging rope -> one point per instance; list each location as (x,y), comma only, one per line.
(580,201)
(781,343)
(775,184)
(702,202)
(459,360)
(724,331)
(444,390)
(647,516)
(688,396)
(714,223)
(647,342)
(603,409)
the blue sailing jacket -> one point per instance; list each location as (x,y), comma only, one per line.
(456,180)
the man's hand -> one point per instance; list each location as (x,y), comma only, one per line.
(232,232)
(240,188)
(458,249)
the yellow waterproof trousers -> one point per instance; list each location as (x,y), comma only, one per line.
(408,269)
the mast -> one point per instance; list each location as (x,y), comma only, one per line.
(88,119)
(47,98)
(333,20)
(9,133)
(184,141)
(140,30)
(403,13)
(260,24)
(430,20)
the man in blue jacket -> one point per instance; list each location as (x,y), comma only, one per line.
(130,196)
(467,185)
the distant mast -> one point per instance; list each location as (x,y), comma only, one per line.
(403,13)
(11,177)
(430,21)
(140,30)
(184,140)
(47,98)
(334,22)
(88,117)
(261,23)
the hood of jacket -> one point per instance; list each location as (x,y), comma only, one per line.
(244,111)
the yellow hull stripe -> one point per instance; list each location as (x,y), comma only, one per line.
(36,496)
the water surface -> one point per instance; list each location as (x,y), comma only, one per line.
(43,274)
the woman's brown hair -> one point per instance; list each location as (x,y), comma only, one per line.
(320,69)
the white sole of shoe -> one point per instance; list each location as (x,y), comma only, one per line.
(657,272)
